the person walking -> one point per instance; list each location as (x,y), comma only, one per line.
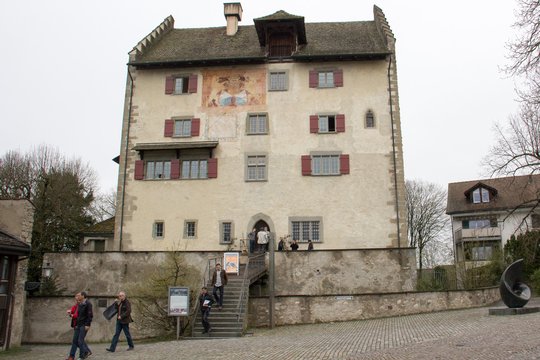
(73,314)
(252,238)
(123,319)
(205,301)
(85,315)
(219,280)
(262,239)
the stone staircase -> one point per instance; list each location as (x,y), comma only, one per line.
(227,322)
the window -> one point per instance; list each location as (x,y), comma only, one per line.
(479,223)
(181,84)
(158,169)
(281,44)
(256,167)
(194,169)
(480,251)
(182,127)
(304,229)
(327,123)
(278,81)
(226,230)
(257,124)
(370,120)
(325,164)
(480,195)
(325,78)
(190,229)
(324,124)
(158,230)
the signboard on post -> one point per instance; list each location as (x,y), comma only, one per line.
(231,262)
(178,301)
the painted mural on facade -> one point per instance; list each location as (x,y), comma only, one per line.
(233,88)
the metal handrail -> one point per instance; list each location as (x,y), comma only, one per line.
(205,278)
(255,262)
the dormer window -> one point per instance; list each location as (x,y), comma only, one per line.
(480,195)
(281,45)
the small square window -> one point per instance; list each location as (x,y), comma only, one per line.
(257,124)
(158,230)
(278,81)
(326,79)
(182,127)
(181,85)
(327,123)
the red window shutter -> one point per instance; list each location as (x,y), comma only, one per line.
(338,78)
(192,84)
(340,123)
(139,169)
(313,124)
(169,84)
(169,128)
(313,79)
(306,165)
(175,169)
(212,168)
(344,164)
(195,126)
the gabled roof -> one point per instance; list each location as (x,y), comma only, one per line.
(212,46)
(10,245)
(510,193)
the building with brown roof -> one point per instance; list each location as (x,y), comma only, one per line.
(284,124)
(485,213)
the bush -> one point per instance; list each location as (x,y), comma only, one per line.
(535,282)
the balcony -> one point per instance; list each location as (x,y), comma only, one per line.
(481,234)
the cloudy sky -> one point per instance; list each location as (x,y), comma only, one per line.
(63,73)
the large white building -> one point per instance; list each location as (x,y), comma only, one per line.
(284,124)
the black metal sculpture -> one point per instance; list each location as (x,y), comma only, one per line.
(514,293)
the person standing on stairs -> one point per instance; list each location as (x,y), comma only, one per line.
(219,280)
(205,301)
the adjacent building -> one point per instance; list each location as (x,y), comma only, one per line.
(486,213)
(284,124)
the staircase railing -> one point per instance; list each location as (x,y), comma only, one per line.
(255,265)
(205,279)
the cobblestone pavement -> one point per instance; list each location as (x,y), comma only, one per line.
(460,334)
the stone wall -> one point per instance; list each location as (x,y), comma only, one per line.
(290,310)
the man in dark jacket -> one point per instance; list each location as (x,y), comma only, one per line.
(84,320)
(219,280)
(123,318)
(205,302)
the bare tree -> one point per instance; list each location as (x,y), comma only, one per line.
(104,206)
(426,216)
(517,147)
(525,49)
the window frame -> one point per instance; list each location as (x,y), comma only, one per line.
(247,166)
(326,83)
(155,228)
(327,116)
(327,154)
(183,120)
(373,122)
(154,162)
(277,72)
(190,161)
(222,224)
(248,124)
(187,223)
(310,220)
(480,195)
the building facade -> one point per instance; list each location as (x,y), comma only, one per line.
(283,124)
(486,213)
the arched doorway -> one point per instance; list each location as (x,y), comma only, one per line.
(261,224)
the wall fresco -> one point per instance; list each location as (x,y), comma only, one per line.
(232,88)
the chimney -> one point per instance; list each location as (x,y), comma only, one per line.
(233,14)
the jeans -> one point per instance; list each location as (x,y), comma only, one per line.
(119,328)
(205,312)
(219,298)
(74,342)
(251,246)
(83,347)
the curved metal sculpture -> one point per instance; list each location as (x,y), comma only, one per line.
(514,293)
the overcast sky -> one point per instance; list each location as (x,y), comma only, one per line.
(63,72)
